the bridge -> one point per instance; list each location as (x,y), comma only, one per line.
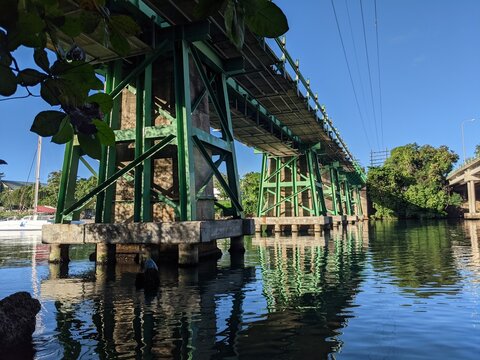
(465,181)
(181,98)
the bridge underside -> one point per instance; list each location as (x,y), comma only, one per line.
(180,101)
(465,181)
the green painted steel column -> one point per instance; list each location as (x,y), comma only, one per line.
(338,191)
(147,143)
(348,198)
(261,189)
(103,160)
(313,184)
(358,201)
(107,165)
(139,133)
(186,170)
(321,195)
(231,160)
(62,194)
(336,196)
(294,185)
(277,187)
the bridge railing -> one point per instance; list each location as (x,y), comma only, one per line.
(288,65)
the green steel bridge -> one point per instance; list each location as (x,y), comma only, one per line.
(181,98)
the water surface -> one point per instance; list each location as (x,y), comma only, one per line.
(391,290)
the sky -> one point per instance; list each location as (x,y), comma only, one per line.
(429,74)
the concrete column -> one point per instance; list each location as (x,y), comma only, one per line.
(237,245)
(294,229)
(317,228)
(188,254)
(58,254)
(471,197)
(277,229)
(105,253)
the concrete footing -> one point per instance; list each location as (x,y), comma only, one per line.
(193,239)
(58,254)
(295,224)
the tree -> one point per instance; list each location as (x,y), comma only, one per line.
(412,182)
(249,187)
(66,84)
(477,151)
(49,192)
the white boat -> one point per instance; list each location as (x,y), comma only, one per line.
(27,223)
(32,222)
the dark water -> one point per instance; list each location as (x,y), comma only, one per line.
(385,291)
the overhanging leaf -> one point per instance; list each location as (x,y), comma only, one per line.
(65,132)
(9,13)
(8,81)
(28,31)
(90,145)
(50,91)
(206,8)
(47,123)
(41,59)
(104,133)
(235,23)
(267,19)
(103,100)
(125,24)
(30,77)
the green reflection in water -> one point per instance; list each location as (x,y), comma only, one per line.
(418,254)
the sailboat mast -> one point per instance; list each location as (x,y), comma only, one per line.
(37,174)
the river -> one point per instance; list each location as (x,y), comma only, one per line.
(384,290)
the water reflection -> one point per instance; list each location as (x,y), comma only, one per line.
(215,311)
(289,297)
(419,255)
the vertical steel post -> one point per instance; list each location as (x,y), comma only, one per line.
(186,170)
(313,185)
(261,189)
(107,165)
(294,185)
(321,196)
(277,187)
(139,132)
(348,197)
(359,201)
(231,160)
(147,143)
(67,160)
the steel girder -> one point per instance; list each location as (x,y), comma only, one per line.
(149,140)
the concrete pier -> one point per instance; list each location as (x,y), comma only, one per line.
(186,235)
(464,181)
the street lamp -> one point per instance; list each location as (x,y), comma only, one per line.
(463,139)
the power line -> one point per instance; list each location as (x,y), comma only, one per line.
(369,72)
(379,78)
(356,55)
(350,74)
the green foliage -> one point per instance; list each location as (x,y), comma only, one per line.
(477,151)
(262,17)
(412,183)
(249,187)
(71,78)
(22,198)
(222,194)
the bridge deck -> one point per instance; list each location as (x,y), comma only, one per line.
(264,80)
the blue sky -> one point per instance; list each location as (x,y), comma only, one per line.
(429,66)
